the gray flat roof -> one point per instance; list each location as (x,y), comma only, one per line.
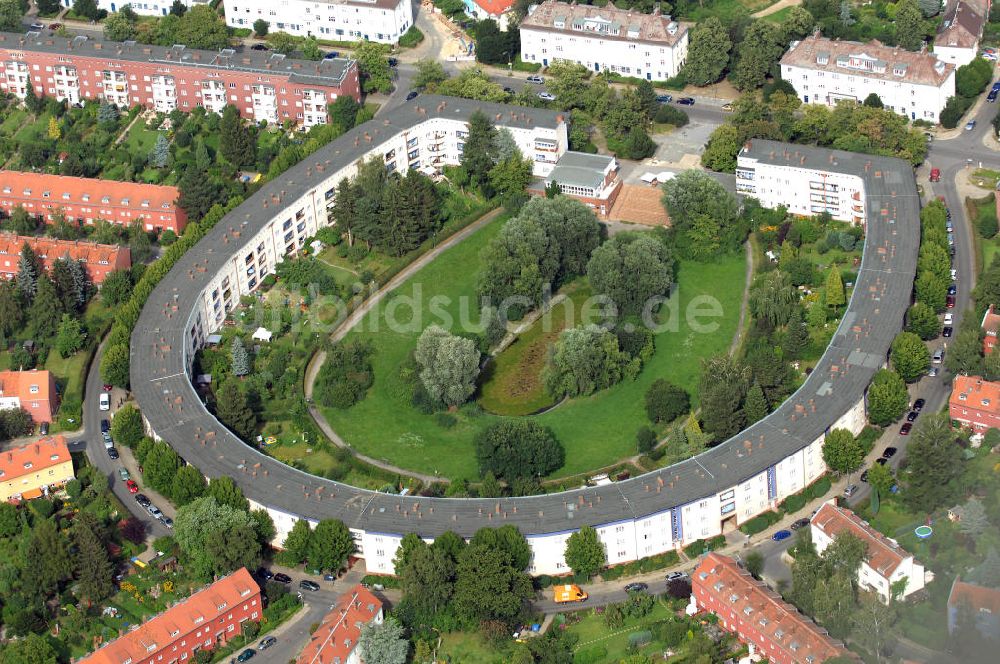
(859,347)
(315,72)
(580,169)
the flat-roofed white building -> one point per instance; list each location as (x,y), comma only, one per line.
(383,21)
(590,178)
(828,71)
(650,46)
(885,563)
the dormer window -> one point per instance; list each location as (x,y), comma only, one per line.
(963,396)
(46,194)
(65,196)
(779,633)
(823,58)
(733,597)
(86,197)
(27,192)
(199,620)
(27,465)
(145,204)
(105,199)
(793,646)
(54,457)
(124,201)
(6,190)
(719,585)
(899,69)
(986,402)
(33,389)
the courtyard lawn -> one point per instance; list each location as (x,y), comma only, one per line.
(596,636)
(596,431)
(778,16)
(140,139)
(12,121)
(467,648)
(514,382)
(33,131)
(725,9)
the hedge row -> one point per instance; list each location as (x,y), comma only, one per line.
(760,523)
(642,566)
(797,501)
(383,580)
(128,313)
(696,548)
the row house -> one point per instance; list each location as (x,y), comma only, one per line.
(805,180)
(885,563)
(650,46)
(208,619)
(97,259)
(86,200)
(757,615)
(383,21)
(335,641)
(33,390)
(34,470)
(141,7)
(265,87)
(829,71)
(975,403)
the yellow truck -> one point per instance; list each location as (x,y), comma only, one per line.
(568,593)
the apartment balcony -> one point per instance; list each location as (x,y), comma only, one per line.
(745,174)
(546,146)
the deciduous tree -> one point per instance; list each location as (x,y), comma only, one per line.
(708,52)
(842,452)
(887,398)
(449,365)
(923,321)
(665,402)
(584,360)
(518,448)
(329,545)
(910,357)
(383,642)
(585,553)
(934,462)
(633,270)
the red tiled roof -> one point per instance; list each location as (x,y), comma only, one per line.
(882,555)
(798,637)
(21,383)
(182,618)
(33,457)
(822,54)
(977,597)
(338,634)
(494,7)
(974,392)
(51,248)
(991,320)
(156,197)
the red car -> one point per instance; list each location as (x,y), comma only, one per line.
(905,429)
(950,302)
(107,387)
(935,175)
(132,486)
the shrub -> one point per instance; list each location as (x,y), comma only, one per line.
(445,420)
(592,655)
(411,37)
(760,523)
(667,114)
(645,440)
(793,503)
(640,639)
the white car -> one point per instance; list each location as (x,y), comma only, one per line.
(105,402)
(546,96)
(949,319)
(954,274)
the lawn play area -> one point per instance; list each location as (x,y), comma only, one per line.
(597,430)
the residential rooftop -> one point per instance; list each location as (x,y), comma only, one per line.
(580,169)
(882,554)
(337,636)
(33,457)
(607,22)
(961,26)
(65,189)
(870,60)
(975,392)
(319,72)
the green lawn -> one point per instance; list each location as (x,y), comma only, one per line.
(594,634)
(12,121)
(34,130)
(513,385)
(467,648)
(725,9)
(140,139)
(778,16)
(597,430)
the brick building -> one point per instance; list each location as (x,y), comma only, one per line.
(590,178)
(97,259)
(758,616)
(975,403)
(89,199)
(336,640)
(885,562)
(207,619)
(32,470)
(262,85)
(34,391)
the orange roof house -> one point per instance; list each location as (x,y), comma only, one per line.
(991,323)
(885,562)
(758,616)
(98,259)
(491,8)
(31,470)
(34,391)
(90,199)
(205,620)
(983,604)
(975,403)
(336,640)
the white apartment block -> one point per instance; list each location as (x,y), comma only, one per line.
(801,180)
(961,28)
(885,562)
(141,7)
(827,71)
(383,21)
(606,38)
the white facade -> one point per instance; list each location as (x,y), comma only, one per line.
(141,7)
(605,39)
(803,191)
(824,71)
(383,21)
(885,563)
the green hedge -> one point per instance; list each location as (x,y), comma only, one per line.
(642,566)
(521,65)
(760,523)
(797,501)
(696,548)
(640,638)
(383,580)
(593,655)
(411,37)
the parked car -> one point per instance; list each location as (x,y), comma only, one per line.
(413,94)
(952,289)
(37,26)
(676,575)
(105,426)
(329,577)
(881,461)
(947,332)
(546,96)
(112,453)
(912,416)
(55,26)
(124,474)
(393,62)
(850,490)
(508,90)
(889,452)
(105,401)
(905,429)
(970,125)
(864,476)
(933,371)
(799,523)
(265,573)
(154,511)
(306,584)
(935,175)
(919,404)
(266,642)
(664,99)
(43,428)
(167,521)
(142,500)
(538,80)
(636,587)
(992,96)
(331,55)
(246,654)
(280,577)
(686,101)
(781,535)
(132,486)
(107,440)
(949,301)
(954,274)
(727,106)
